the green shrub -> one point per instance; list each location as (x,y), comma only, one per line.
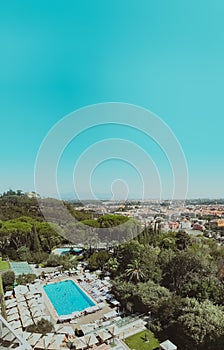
(8,279)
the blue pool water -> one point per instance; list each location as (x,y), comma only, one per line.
(63,251)
(67,297)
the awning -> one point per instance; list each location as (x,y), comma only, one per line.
(168,345)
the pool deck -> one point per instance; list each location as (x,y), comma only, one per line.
(79,320)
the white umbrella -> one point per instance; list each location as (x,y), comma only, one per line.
(87,328)
(13,317)
(22,305)
(15,324)
(113,329)
(20,298)
(90,339)
(26,321)
(26,335)
(34,338)
(29,295)
(20,289)
(56,342)
(104,335)
(9,337)
(4,331)
(79,343)
(41,344)
(64,330)
(24,313)
(36,312)
(10,303)
(48,339)
(32,303)
(12,311)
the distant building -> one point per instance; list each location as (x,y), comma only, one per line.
(32,194)
(198,227)
(174,225)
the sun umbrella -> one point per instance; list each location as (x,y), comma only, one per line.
(20,289)
(41,344)
(34,338)
(113,329)
(104,335)
(87,328)
(10,303)
(26,335)
(36,312)
(15,324)
(48,339)
(9,337)
(12,311)
(56,342)
(79,343)
(24,312)
(20,298)
(26,321)
(90,339)
(29,295)
(64,330)
(32,303)
(13,317)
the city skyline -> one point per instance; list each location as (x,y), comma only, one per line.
(164,57)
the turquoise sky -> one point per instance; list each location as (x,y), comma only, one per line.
(166,56)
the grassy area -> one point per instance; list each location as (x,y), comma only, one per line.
(4,265)
(138,342)
(2,299)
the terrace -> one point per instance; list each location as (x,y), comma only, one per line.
(99,325)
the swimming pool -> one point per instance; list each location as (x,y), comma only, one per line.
(63,251)
(67,297)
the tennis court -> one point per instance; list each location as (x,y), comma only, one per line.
(20,268)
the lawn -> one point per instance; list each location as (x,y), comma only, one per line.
(4,265)
(138,342)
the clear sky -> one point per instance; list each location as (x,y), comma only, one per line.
(166,56)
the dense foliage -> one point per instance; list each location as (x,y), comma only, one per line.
(176,278)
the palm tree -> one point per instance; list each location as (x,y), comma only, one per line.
(134,272)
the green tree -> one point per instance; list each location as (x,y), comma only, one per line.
(26,278)
(124,290)
(203,322)
(128,252)
(134,272)
(98,260)
(152,296)
(8,279)
(112,265)
(24,253)
(149,263)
